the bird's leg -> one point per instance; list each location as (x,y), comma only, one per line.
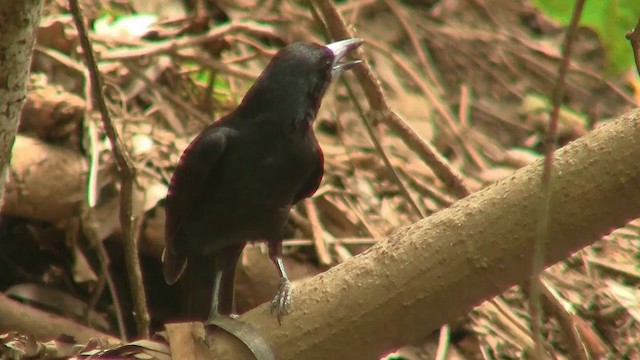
(281,303)
(215,296)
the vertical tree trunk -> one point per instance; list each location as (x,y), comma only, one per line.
(19,22)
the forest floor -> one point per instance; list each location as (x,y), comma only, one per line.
(473,81)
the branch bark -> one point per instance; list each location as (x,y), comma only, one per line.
(19,21)
(24,319)
(441,267)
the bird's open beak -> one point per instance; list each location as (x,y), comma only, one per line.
(339,50)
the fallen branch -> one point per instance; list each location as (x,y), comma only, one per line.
(441,267)
(25,319)
(46,182)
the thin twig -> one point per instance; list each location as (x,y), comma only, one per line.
(63,59)
(170,46)
(127,177)
(255,44)
(168,95)
(383,155)
(345,241)
(444,339)
(463,108)
(314,220)
(463,115)
(88,223)
(409,27)
(219,66)
(573,337)
(89,229)
(450,123)
(518,328)
(542,231)
(356,207)
(353,168)
(381,110)
(634,39)
(374,139)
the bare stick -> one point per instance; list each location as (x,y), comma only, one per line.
(383,155)
(316,228)
(374,139)
(173,45)
(634,38)
(127,177)
(88,221)
(544,211)
(381,110)
(408,26)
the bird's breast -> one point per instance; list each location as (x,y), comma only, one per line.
(268,168)
(254,184)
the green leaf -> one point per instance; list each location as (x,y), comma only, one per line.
(610,19)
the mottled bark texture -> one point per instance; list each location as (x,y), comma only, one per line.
(19,21)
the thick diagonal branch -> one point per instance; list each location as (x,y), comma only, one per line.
(443,266)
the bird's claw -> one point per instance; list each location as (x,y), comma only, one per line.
(281,303)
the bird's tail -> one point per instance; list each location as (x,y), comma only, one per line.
(198,281)
(196,285)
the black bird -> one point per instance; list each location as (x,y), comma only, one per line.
(238,179)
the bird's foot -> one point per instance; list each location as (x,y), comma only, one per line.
(281,303)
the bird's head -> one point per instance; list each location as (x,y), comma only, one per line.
(298,76)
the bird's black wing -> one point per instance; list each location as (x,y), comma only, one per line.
(185,188)
(312,183)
